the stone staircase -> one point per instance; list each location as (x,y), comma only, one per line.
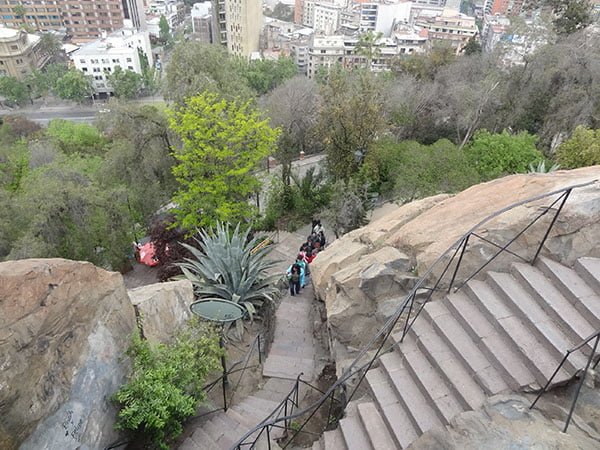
(505,334)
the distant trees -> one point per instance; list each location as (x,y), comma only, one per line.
(571,15)
(223,143)
(74,85)
(350,119)
(164,31)
(581,149)
(126,83)
(13,90)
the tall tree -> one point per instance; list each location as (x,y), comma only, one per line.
(293,107)
(223,144)
(164,31)
(196,67)
(571,15)
(74,85)
(368,46)
(13,90)
(350,119)
(126,83)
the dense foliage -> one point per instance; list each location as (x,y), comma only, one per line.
(165,386)
(223,143)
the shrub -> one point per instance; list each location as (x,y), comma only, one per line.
(165,386)
(582,149)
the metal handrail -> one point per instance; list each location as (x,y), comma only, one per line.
(458,247)
(594,336)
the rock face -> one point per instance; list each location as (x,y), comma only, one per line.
(362,280)
(64,327)
(162,308)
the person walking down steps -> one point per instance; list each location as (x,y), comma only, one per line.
(294,274)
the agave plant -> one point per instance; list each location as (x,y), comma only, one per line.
(226,265)
(542,168)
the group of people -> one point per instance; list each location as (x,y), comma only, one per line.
(308,251)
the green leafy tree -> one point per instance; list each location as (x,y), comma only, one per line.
(350,203)
(263,75)
(71,137)
(223,144)
(74,85)
(494,155)
(226,264)
(426,66)
(580,150)
(164,31)
(409,170)
(165,386)
(196,67)
(368,46)
(472,47)
(350,119)
(571,15)
(126,83)
(13,90)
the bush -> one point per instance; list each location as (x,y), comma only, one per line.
(165,386)
(582,149)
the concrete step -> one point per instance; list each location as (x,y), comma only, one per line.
(375,427)
(300,350)
(430,383)
(553,303)
(422,415)
(288,367)
(496,348)
(467,352)
(355,436)
(538,322)
(262,406)
(574,288)
(538,360)
(317,445)
(468,393)
(213,430)
(394,415)
(589,270)
(333,440)
(189,444)
(203,440)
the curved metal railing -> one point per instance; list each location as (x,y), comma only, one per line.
(453,255)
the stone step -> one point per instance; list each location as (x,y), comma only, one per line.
(298,350)
(245,422)
(333,440)
(430,383)
(395,417)
(422,415)
(572,286)
(317,445)
(466,391)
(503,356)
(454,335)
(288,367)
(589,271)
(213,430)
(262,406)
(189,444)
(375,427)
(538,322)
(553,302)
(203,440)
(275,389)
(355,436)
(533,354)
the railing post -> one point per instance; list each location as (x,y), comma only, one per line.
(460,257)
(406,322)
(565,196)
(259,351)
(587,366)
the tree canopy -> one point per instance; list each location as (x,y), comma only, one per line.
(223,143)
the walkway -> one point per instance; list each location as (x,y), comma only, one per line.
(292,352)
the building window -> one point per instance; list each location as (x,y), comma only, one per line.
(128,59)
(82,61)
(84,69)
(19,61)
(116,61)
(1,63)
(14,47)
(130,67)
(96,69)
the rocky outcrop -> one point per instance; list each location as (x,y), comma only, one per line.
(162,308)
(360,294)
(64,327)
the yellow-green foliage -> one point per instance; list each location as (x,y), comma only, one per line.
(223,145)
(582,149)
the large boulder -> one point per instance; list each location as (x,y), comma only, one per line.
(162,308)
(360,293)
(64,327)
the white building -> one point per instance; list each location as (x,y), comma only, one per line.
(121,48)
(326,17)
(382,17)
(324,52)
(202,21)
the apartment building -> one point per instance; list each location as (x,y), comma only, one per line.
(124,48)
(238,24)
(450,27)
(382,17)
(80,20)
(202,22)
(18,53)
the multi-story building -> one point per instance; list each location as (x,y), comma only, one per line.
(19,54)
(281,38)
(324,52)
(238,23)
(125,48)
(202,22)
(326,17)
(504,7)
(450,27)
(81,20)
(382,17)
